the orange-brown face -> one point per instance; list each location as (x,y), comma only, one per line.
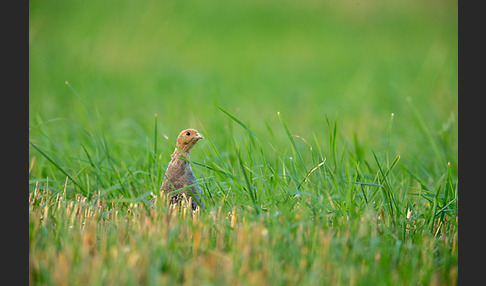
(188,138)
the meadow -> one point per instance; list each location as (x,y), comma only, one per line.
(330,150)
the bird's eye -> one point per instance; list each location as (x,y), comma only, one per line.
(188,133)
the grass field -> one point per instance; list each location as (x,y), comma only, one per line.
(330,150)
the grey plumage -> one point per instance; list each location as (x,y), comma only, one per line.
(179,175)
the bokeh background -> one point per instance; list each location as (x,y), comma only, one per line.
(354,61)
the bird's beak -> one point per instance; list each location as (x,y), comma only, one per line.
(199,136)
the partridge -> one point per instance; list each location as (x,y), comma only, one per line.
(179,178)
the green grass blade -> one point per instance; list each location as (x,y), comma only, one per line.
(291,138)
(251,190)
(238,122)
(310,172)
(387,188)
(332,140)
(56,165)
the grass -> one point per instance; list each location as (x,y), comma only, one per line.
(330,150)
(271,218)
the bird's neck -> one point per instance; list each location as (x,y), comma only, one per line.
(178,154)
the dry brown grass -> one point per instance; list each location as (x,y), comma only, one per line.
(80,241)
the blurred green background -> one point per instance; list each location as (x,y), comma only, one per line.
(357,61)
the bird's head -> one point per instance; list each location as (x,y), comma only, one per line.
(188,138)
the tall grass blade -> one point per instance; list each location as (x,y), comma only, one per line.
(56,165)
(238,122)
(155,139)
(332,140)
(218,154)
(251,190)
(310,172)
(292,141)
(387,188)
(94,166)
(84,106)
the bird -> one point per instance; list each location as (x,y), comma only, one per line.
(179,180)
